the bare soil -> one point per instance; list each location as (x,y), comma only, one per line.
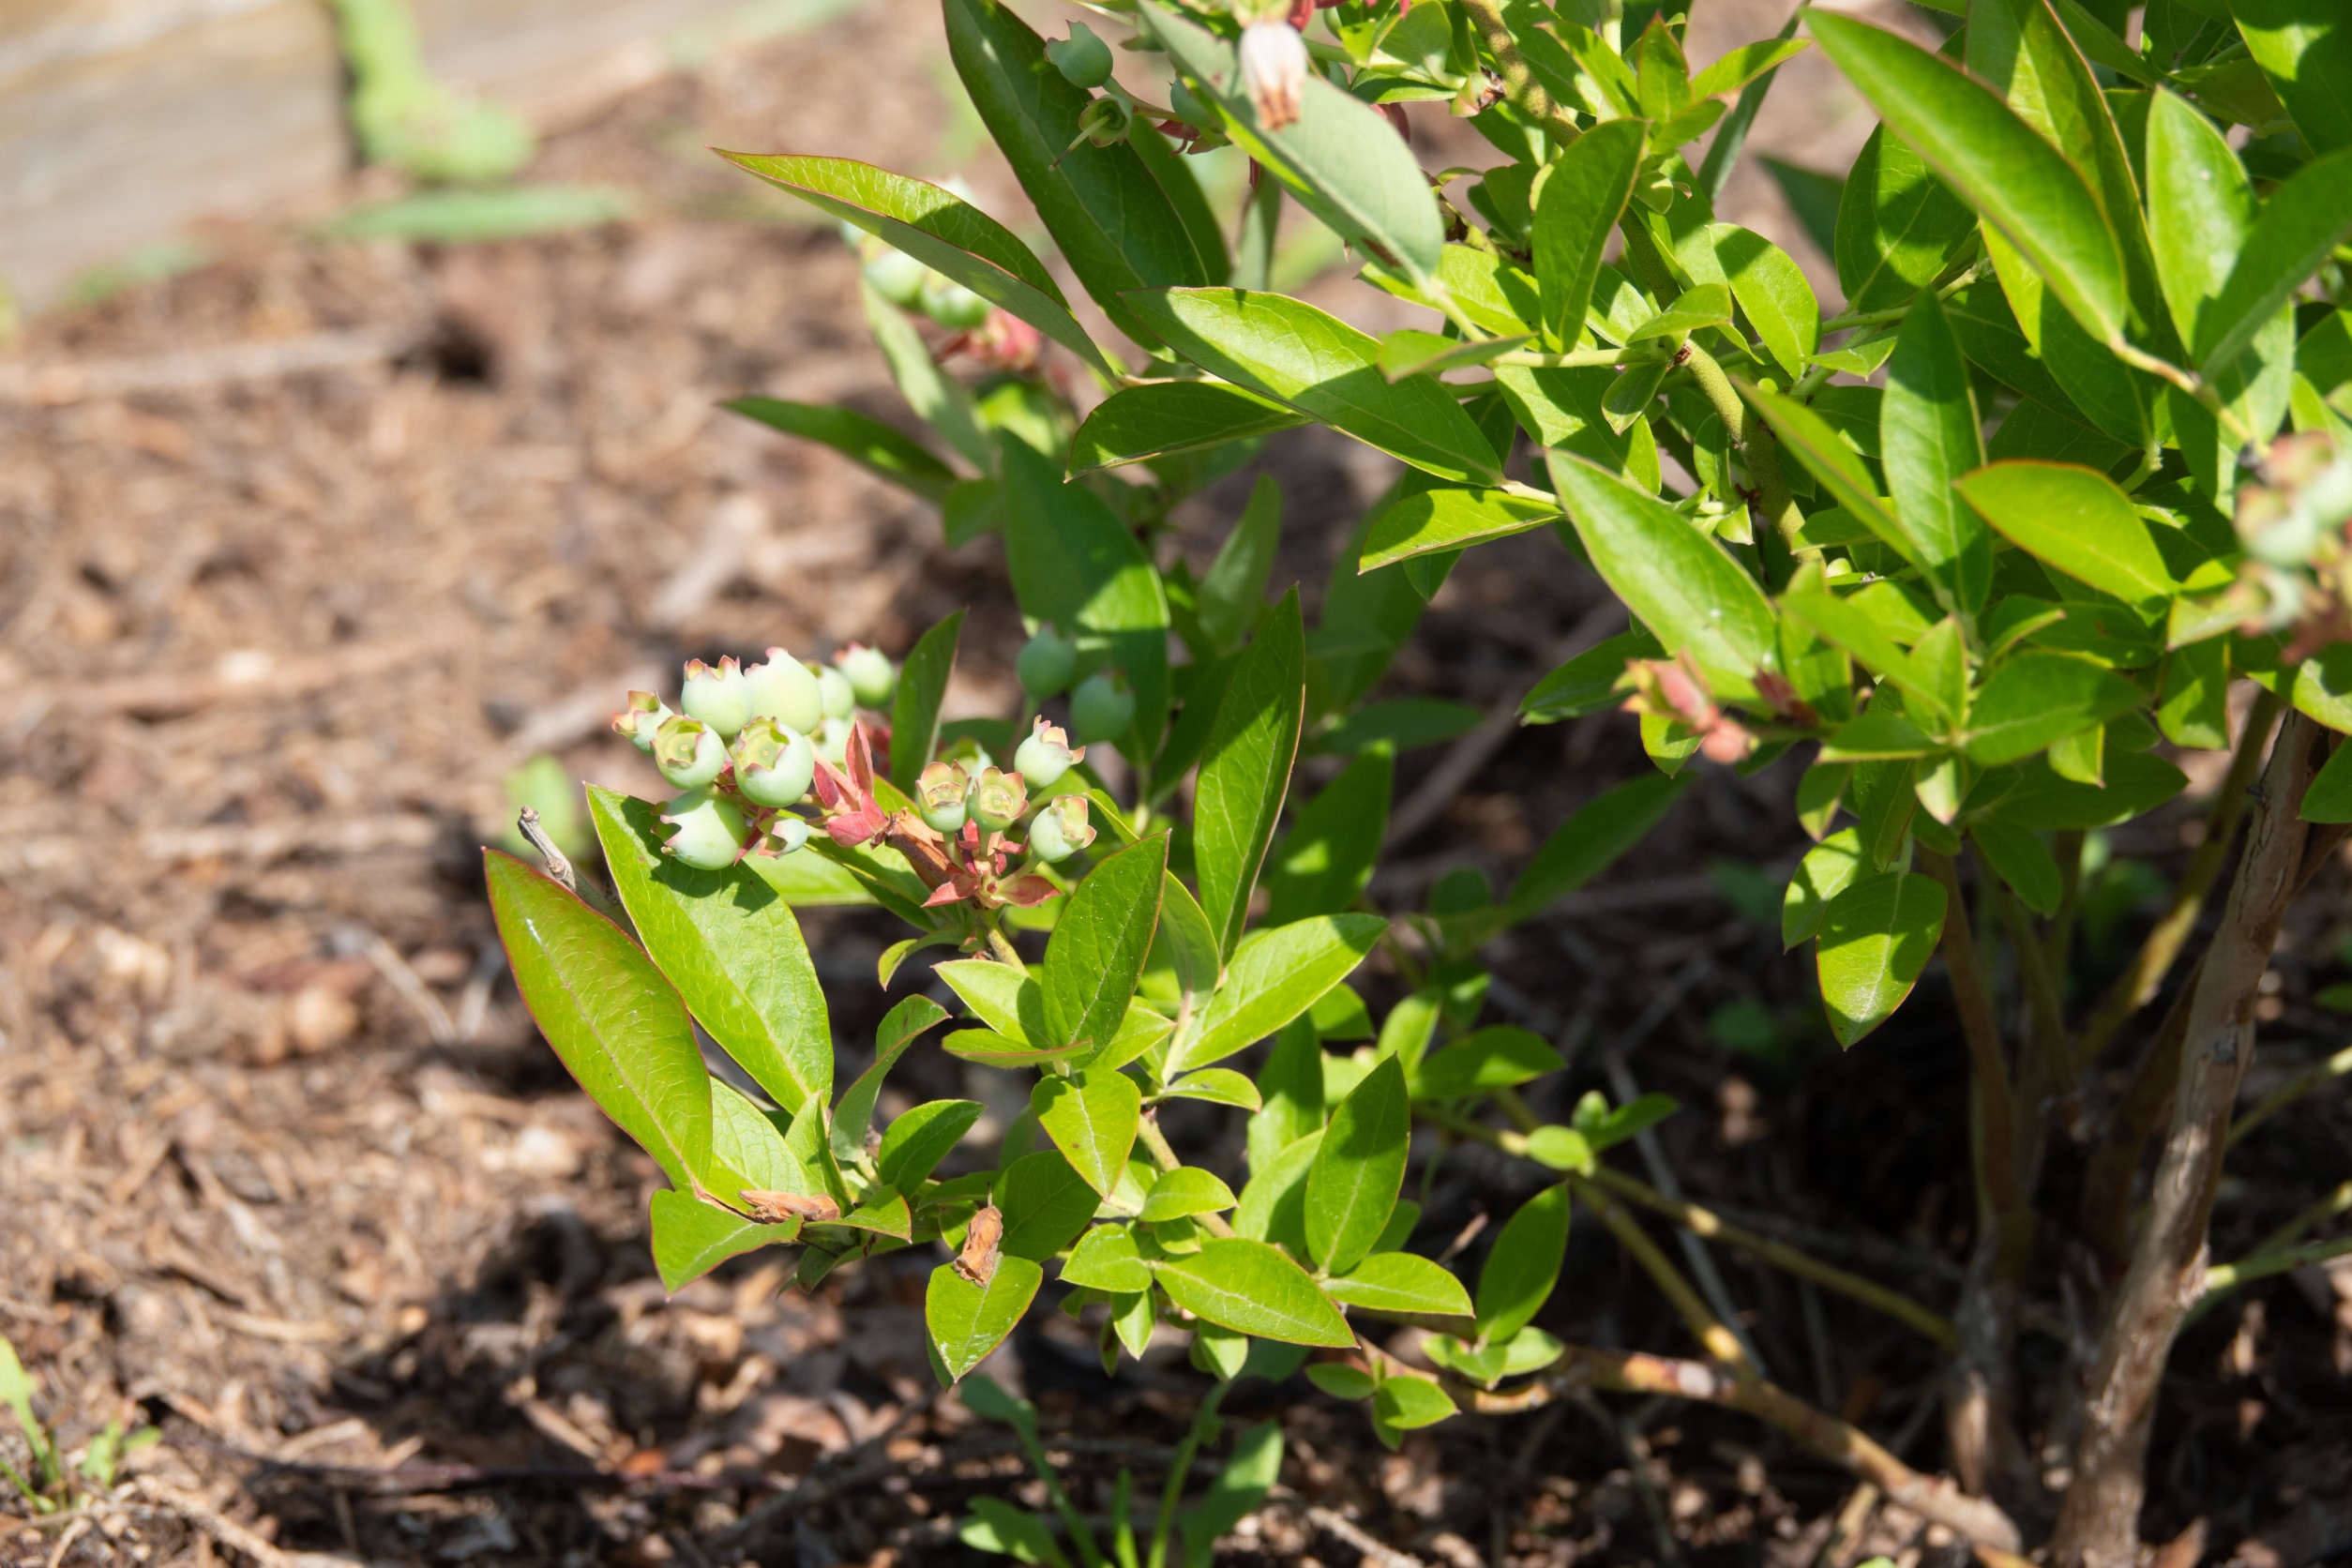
(284,1168)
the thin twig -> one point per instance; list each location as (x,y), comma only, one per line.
(1375,1550)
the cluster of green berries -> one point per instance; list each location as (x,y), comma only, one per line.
(910,285)
(952,797)
(746,744)
(1101,708)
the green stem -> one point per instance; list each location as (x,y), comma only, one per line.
(1757,448)
(1001,946)
(2293,1089)
(1576,358)
(1520,85)
(2193,384)
(1155,1143)
(1203,1425)
(2228,1277)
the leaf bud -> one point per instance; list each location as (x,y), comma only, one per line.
(998,799)
(688,752)
(773,764)
(835,694)
(1045,756)
(873,679)
(941,796)
(784,691)
(1061,829)
(1274,71)
(1045,664)
(898,277)
(718,696)
(1083,59)
(710,832)
(785,835)
(1102,707)
(640,720)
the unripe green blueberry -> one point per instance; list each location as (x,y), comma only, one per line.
(834,692)
(953,306)
(872,677)
(784,691)
(998,799)
(718,696)
(688,752)
(1083,59)
(1061,829)
(785,835)
(1102,707)
(640,720)
(1045,664)
(942,792)
(710,832)
(898,277)
(1187,107)
(1045,756)
(774,765)
(832,741)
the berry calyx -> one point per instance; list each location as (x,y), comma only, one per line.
(774,764)
(1045,756)
(640,720)
(998,799)
(717,695)
(1061,829)
(688,752)
(941,795)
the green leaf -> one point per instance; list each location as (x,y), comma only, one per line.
(2305,49)
(1291,1082)
(939,229)
(2329,797)
(1400,1285)
(1875,937)
(2037,797)
(997,1527)
(1255,1289)
(1833,463)
(920,1137)
(1588,842)
(743,1140)
(1448,518)
(1046,1204)
(991,1049)
(1828,869)
(1218,1086)
(868,443)
(2034,699)
(1288,350)
(1408,352)
(1498,1057)
(1930,434)
(1246,767)
(969,1320)
(1676,580)
(1091,1117)
(2200,206)
(1359,1169)
(1773,291)
(1588,683)
(2306,217)
(1185,1191)
(1274,1202)
(1106,1258)
(1624,1123)
(1897,225)
(922,686)
(2023,862)
(1342,160)
(1407,1401)
(1231,599)
(1276,974)
(901,1027)
(1998,164)
(609,1014)
(1107,214)
(1007,1000)
(1161,418)
(1234,1493)
(1523,1265)
(691,1237)
(1100,943)
(1578,200)
(1325,861)
(1075,566)
(2076,520)
(1700,305)
(1400,724)
(731,946)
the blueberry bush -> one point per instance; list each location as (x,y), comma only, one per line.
(2057,495)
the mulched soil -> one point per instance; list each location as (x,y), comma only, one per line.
(287,1171)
